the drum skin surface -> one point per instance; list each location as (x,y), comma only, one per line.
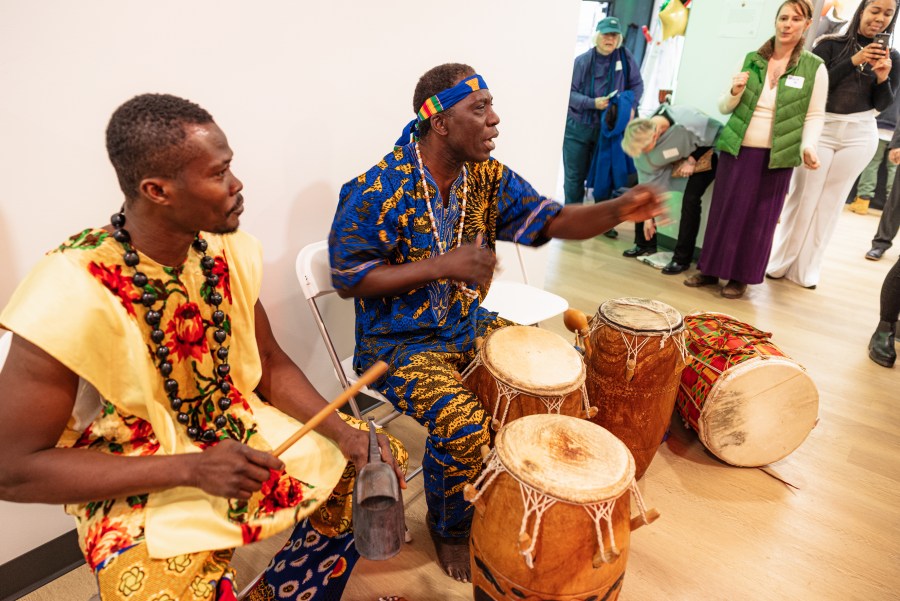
(537,366)
(749,403)
(571,461)
(637,411)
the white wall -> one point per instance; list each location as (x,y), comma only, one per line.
(309,94)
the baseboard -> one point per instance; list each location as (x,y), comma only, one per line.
(37,567)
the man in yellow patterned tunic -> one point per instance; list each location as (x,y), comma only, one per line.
(412,241)
(145,390)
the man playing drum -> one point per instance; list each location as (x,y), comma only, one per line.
(413,241)
(145,389)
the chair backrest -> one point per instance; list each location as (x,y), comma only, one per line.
(314,270)
(5,342)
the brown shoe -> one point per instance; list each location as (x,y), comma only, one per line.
(699,279)
(733,289)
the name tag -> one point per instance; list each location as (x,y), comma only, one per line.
(618,65)
(670,153)
(794,81)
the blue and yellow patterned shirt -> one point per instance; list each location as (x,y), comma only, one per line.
(382,219)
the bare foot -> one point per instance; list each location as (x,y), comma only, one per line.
(453,555)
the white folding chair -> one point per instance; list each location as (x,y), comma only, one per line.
(513,298)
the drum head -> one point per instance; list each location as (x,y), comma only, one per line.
(533,360)
(759,412)
(641,315)
(567,458)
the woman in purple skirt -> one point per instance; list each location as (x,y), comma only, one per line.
(777,107)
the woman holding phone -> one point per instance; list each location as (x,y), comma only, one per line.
(777,107)
(863,76)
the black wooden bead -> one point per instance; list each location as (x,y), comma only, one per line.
(220,336)
(162,352)
(117,220)
(183,418)
(215,299)
(208,435)
(225,387)
(157,335)
(200,245)
(165,368)
(207,262)
(223,369)
(175,403)
(139,279)
(212,280)
(148,298)
(221,421)
(224,403)
(132,258)
(122,236)
(171,386)
(218,316)
(222,353)
(153,317)
(193,432)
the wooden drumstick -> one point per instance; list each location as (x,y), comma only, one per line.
(369,376)
(576,321)
(640,520)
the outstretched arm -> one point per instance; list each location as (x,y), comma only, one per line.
(37,394)
(579,222)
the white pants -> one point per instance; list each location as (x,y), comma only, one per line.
(816,198)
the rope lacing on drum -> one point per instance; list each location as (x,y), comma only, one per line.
(471,367)
(634,348)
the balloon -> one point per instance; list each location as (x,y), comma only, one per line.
(674,18)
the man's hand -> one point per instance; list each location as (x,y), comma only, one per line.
(684,167)
(894,156)
(469,263)
(641,203)
(810,159)
(649,229)
(601,103)
(354,444)
(232,470)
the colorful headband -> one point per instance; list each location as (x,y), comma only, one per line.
(438,103)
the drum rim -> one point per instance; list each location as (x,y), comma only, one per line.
(616,489)
(560,390)
(733,372)
(677,328)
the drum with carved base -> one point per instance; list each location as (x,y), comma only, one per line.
(552,512)
(634,360)
(522,370)
(749,402)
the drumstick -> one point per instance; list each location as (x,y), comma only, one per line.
(369,376)
(576,321)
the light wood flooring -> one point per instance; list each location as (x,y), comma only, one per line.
(725,533)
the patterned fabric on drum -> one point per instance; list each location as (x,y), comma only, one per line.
(716,343)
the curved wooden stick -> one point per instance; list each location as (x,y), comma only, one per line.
(369,376)
(638,521)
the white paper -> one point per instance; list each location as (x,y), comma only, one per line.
(741,18)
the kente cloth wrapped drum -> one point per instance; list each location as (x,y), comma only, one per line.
(522,370)
(634,362)
(750,403)
(552,512)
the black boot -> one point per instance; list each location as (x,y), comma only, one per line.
(881,346)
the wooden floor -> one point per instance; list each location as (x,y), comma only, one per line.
(725,533)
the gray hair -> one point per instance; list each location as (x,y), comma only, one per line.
(638,134)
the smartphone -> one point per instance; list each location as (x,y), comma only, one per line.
(884,39)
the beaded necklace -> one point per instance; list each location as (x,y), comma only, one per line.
(187,410)
(472,294)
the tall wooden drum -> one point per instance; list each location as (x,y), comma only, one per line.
(749,402)
(522,370)
(552,512)
(633,370)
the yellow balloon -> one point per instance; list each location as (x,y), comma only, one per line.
(674,18)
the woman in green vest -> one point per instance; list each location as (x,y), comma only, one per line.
(863,77)
(777,107)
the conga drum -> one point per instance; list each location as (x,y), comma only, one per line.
(749,403)
(552,511)
(633,369)
(522,370)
